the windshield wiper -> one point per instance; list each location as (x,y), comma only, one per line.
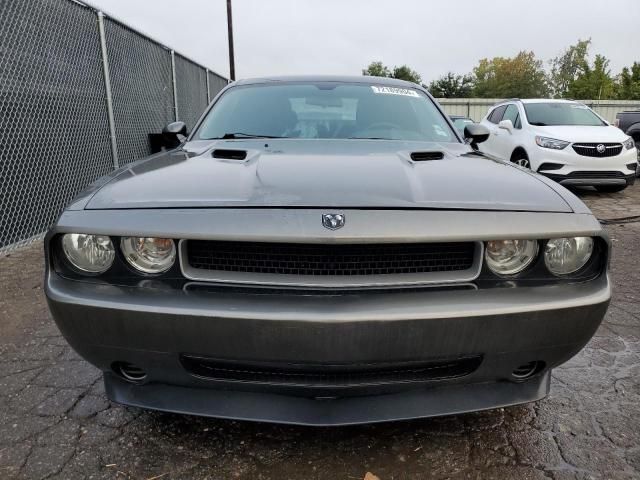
(369,138)
(234,135)
(538,124)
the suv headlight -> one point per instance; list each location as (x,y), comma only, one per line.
(553,143)
(629,143)
(88,253)
(508,257)
(149,254)
(563,256)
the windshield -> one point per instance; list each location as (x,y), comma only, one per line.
(542,114)
(326,110)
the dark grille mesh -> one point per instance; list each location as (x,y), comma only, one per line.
(591,149)
(589,174)
(324,260)
(331,376)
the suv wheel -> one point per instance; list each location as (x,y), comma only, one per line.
(521,159)
(610,188)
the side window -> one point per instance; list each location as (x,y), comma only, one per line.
(511,113)
(496,115)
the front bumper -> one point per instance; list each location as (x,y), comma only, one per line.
(592,178)
(573,169)
(152,328)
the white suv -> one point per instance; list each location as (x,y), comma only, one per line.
(563,140)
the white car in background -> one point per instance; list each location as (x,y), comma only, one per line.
(563,140)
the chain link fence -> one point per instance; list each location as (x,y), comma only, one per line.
(79,95)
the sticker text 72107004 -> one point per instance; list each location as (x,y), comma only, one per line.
(407,92)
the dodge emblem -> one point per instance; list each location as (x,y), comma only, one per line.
(333,221)
(600,148)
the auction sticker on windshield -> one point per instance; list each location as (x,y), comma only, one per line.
(407,92)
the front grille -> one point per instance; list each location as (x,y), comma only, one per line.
(330,260)
(595,174)
(591,149)
(329,376)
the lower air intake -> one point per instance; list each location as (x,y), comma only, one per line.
(330,376)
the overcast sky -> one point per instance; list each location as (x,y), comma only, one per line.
(279,37)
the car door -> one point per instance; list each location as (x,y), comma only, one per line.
(490,146)
(505,141)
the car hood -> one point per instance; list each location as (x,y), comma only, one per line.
(326,173)
(586,134)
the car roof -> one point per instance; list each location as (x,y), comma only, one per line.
(392,82)
(547,100)
(531,100)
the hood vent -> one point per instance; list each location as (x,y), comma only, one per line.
(424,156)
(230,154)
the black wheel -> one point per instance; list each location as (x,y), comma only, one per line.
(521,159)
(610,188)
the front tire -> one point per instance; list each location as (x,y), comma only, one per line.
(610,188)
(521,159)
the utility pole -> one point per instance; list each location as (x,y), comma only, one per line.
(232,62)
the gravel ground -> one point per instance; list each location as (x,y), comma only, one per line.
(55,421)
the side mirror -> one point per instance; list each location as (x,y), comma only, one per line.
(475,133)
(174,134)
(506,125)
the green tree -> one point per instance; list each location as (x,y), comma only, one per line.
(628,83)
(595,82)
(403,72)
(568,66)
(452,86)
(521,76)
(377,69)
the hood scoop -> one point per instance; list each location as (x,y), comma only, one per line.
(426,156)
(229,154)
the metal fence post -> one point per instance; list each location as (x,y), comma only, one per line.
(206,72)
(107,86)
(175,87)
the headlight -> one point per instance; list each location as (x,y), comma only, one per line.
(629,143)
(88,253)
(546,142)
(508,257)
(149,254)
(563,256)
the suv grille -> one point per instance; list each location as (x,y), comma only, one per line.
(591,149)
(330,376)
(596,174)
(330,260)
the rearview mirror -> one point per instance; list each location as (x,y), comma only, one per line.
(506,125)
(475,133)
(174,134)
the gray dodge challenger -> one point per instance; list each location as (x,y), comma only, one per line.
(326,251)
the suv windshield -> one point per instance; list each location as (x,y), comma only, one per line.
(542,114)
(325,110)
